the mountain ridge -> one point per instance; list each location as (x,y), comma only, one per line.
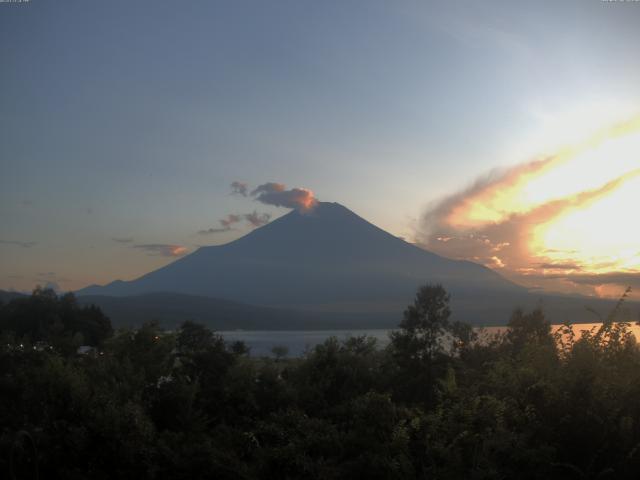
(327,255)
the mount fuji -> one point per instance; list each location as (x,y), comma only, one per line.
(327,262)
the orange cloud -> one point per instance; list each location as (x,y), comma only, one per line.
(165,250)
(276,194)
(560,214)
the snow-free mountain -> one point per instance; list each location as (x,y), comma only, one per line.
(324,257)
(324,267)
(328,261)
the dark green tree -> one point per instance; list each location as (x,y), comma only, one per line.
(422,348)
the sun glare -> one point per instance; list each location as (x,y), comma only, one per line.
(577,205)
(600,237)
(601,183)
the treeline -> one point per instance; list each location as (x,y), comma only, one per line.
(437,402)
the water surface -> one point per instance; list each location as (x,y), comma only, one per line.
(297,341)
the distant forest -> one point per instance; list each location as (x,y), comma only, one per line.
(79,400)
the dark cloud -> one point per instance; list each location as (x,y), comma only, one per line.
(162,249)
(559,266)
(230,220)
(17,243)
(226,223)
(26,203)
(276,194)
(122,239)
(239,188)
(611,284)
(256,219)
(617,278)
(210,231)
(270,194)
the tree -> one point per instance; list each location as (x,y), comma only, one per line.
(194,338)
(423,345)
(529,329)
(280,352)
(426,322)
(56,320)
(240,348)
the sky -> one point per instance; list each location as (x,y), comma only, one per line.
(123,126)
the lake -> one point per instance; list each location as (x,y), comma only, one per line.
(297,341)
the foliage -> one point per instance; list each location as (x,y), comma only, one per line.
(58,320)
(441,401)
(421,350)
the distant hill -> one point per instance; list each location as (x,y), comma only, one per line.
(6,296)
(329,268)
(171,309)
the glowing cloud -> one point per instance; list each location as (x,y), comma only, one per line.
(164,250)
(560,218)
(276,194)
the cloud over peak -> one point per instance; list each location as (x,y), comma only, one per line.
(276,194)
(270,193)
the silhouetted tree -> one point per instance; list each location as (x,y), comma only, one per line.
(437,403)
(280,352)
(56,320)
(194,338)
(421,348)
(529,328)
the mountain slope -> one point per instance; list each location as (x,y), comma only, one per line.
(329,256)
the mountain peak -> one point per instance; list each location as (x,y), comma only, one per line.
(328,226)
(324,210)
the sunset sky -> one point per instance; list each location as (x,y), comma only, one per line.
(507,133)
